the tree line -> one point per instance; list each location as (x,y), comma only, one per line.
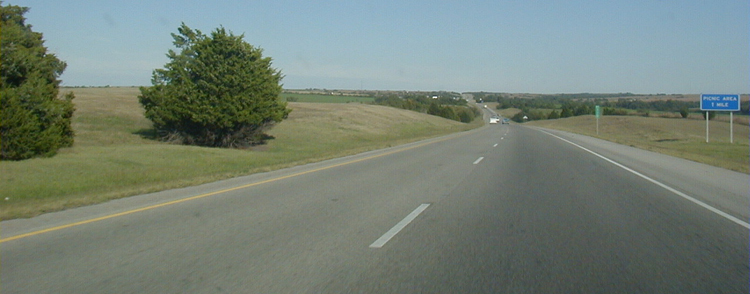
(567,105)
(444,105)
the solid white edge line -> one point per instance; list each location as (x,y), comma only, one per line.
(478,160)
(668,188)
(398,227)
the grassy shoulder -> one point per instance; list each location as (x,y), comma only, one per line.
(685,138)
(111,158)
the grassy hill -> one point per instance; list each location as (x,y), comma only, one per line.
(114,157)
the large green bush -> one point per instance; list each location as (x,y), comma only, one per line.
(218,91)
(34,121)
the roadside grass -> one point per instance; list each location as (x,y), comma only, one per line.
(317,98)
(685,138)
(113,157)
(108,116)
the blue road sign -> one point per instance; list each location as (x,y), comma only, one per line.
(720,102)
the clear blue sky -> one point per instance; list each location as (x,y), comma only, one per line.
(545,46)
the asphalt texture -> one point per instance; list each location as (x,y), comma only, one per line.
(512,209)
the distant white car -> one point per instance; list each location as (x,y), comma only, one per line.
(494,120)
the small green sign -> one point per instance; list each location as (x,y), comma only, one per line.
(598,111)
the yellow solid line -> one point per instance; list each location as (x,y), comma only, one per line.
(208,194)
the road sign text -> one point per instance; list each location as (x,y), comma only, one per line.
(720,102)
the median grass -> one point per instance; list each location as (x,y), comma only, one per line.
(114,157)
(685,138)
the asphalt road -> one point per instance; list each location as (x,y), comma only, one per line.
(503,209)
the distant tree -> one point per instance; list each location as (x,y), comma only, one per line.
(449,113)
(613,111)
(553,115)
(711,114)
(34,120)
(519,117)
(218,91)
(434,109)
(536,115)
(467,114)
(390,100)
(566,112)
(582,109)
(684,112)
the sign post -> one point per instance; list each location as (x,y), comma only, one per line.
(707,116)
(731,128)
(721,102)
(598,114)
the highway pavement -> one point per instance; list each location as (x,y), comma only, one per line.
(501,209)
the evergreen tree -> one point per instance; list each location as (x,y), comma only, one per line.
(34,120)
(218,91)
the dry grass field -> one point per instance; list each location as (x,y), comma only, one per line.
(108,116)
(684,138)
(113,157)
